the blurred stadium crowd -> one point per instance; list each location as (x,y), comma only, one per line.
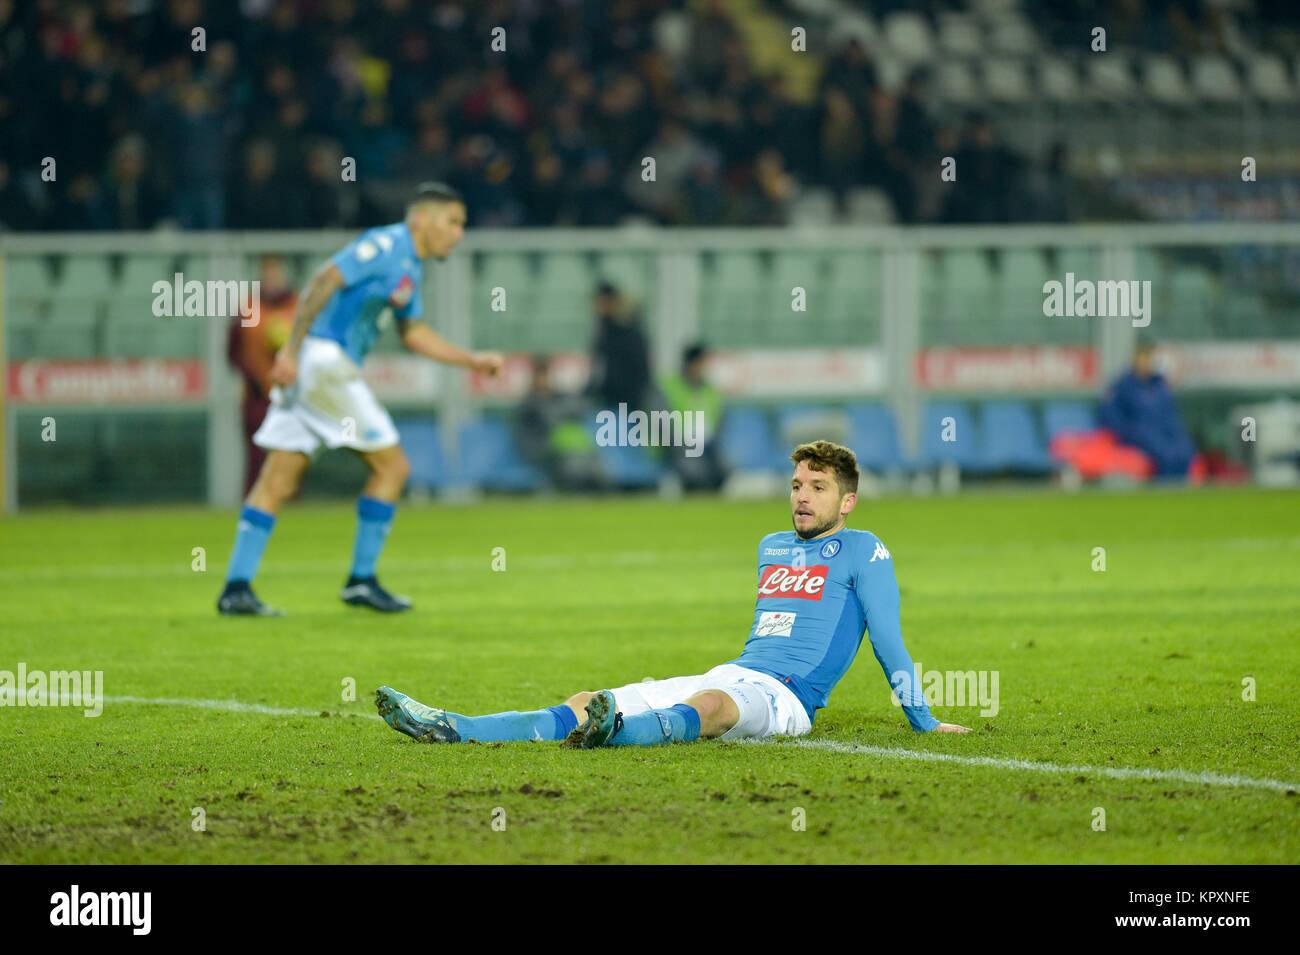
(250,132)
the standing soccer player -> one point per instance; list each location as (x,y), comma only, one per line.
(321,399)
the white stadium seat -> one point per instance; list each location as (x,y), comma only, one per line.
(1014,34)
(813,207)
(1059,80)
(1268,80)
(1109,78)
(1164,82)
(1007,81)
(1215,80)
(869,207)
(908,37)
(960,35)
(955,82)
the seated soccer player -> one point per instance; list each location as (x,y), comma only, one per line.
(819,587)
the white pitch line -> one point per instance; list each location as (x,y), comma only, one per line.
(883,752)
(1025,765)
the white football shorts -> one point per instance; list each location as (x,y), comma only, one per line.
(767,706)
(330,404)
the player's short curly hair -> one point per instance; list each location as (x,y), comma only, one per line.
(827,456)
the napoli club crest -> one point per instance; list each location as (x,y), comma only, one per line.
(830,549)
(402,294)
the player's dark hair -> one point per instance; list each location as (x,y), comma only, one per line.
(436,192)
(826,456)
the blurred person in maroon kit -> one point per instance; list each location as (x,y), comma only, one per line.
(252,349)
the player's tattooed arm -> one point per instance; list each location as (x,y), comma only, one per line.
(423,340)
(327,280)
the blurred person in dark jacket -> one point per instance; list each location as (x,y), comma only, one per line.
(1140,409)
(620,354)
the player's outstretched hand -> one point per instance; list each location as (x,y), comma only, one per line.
(285,369)
(489,362)
(950,728)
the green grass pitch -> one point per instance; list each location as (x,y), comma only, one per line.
(1139,667)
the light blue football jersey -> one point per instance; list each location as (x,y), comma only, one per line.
(381,271)
(815,600)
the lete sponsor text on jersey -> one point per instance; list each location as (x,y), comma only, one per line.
(806,583)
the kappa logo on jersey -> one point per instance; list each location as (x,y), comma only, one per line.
(830,549)
(775,551)
(402,294)
(806,583)
(880,553)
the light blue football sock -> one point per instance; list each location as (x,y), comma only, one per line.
(250,543)
(552,723)
(374,521)
(676,724)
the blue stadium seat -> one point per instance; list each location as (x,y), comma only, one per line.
(1011,439)
(963,450)
(746,438)
(873,436)
(1061,416)
(422,442)
(489,458)
(801,423)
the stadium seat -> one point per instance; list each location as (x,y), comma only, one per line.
(853,292)
(26,292)
(1267,78)
(630,466)
(69,331)
(86,277)
(734,291)
(956,83)
(1010,438)
(1064,415)
(564,288)
(1006,80)
(960,35)
(133,331)
(1110,79)
(813,207)
(507,270)
(963,450)
(140,272)
(1013,34)
(489,459)
(1215,80)
(791,269)
(873,436)
(1163,81)
(1059,80)
(746,439)
(422,442)
(800,423)
(908,36)
(869,207)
